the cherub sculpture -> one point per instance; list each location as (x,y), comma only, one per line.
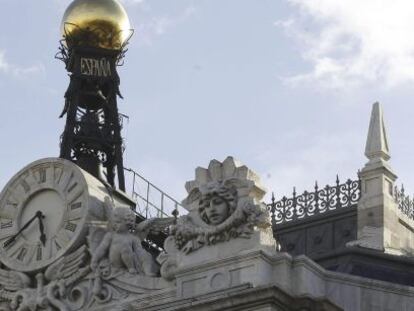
(123,248)
(121,243)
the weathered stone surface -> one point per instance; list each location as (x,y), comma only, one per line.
(245,298)
(377,140)
(86,273)
(227,263)
(225,217)
(380,223)
(217,172)
(221,284)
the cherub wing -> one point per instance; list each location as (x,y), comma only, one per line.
(153,226)
(11,282)
(69,266)
(97,233)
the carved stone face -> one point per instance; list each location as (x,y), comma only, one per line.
(104,268)
(217,210)
(119,226)
(122,220)
(217,203)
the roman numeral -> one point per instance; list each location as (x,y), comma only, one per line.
(66,181)
(42,175)
(73,186)
(39,253)
(9,210)
(11,203)
(22,253)
(75,205)
(9,242)
(61,239)
(70,226)
(25,186)
(57,174)
(7,224)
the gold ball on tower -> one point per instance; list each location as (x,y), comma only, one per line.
(96,23)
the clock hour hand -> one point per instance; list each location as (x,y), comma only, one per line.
(13,238)
(42,230)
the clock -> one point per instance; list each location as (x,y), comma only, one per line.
(43,213)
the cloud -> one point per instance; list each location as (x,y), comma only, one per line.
(353,43)
(157,26)
(17,71)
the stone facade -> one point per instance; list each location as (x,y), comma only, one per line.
(221,285)
(221,255)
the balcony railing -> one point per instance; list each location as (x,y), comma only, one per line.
(151,200)
(319,201)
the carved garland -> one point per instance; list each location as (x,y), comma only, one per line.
(189,236)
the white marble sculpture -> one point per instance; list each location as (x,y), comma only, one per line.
(120,245)
(224,204)
(111,267)
(51,288)
(116,250)
(105,264)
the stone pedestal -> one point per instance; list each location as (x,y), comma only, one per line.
(377,207)
(226,265)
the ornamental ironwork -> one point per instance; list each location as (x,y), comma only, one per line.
(319,201)
(405,203)
(92,135)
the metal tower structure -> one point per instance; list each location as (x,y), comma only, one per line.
(92,134)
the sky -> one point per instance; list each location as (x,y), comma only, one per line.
(284,86)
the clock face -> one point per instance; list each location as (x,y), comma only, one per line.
(43,212)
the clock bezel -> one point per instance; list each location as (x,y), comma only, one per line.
(69,171)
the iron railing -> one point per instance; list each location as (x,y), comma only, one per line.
(317,202)
(151,200)
(405,203)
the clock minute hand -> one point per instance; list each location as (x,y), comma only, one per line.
(42,229)
(13,238)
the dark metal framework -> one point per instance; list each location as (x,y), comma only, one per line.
(92,135)
(319,201)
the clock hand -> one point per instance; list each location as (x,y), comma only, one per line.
(13,238)
(42,230)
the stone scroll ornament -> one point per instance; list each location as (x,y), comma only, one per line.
(49,290)
(223,203)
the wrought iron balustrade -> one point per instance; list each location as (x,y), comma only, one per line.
(405,203)
(319,201)
(151,200)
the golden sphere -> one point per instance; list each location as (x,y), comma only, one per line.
(96,23)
